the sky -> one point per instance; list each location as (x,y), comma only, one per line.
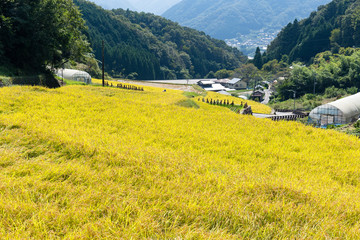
(157,7)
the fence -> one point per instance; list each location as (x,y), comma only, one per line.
(291,117)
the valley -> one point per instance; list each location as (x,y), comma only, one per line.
(118,124)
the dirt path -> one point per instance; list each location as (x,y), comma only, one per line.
(186,88)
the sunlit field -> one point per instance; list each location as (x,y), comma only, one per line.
(84,162)
(256,107)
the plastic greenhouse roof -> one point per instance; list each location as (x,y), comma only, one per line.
(68,73)
(350,106)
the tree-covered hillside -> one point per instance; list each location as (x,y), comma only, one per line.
(333,26)
(38,34)
(330,73)
(145,46)
(225,19)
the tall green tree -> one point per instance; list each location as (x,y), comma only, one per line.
(258,62)
(4,25)
(41,33)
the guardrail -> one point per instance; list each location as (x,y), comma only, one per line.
(291,117)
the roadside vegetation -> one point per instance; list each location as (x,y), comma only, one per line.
(307,102)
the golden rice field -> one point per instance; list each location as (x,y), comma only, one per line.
(104,163)
(256,107)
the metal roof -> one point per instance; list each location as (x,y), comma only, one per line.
(206,82)
(215,87)
(234,80)
(226,80)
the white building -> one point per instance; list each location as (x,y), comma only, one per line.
(342,111)
(210,85)
(75,75)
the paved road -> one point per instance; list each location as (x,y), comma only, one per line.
(180,81)
(161,84)
(267,96)
(260,115)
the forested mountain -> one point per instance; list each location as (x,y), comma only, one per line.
(225,19)
(334,25)
(145,46)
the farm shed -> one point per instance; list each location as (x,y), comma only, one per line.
(258,94)
(209,85)
(342,111)
(75,75)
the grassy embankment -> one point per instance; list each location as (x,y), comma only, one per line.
(103,163)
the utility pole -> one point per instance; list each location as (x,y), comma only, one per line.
(294,100)
(103,65)
(294,97)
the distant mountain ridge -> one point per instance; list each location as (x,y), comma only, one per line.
(334,25)
(224,19)
(110,4)
(147,47)
(153,6)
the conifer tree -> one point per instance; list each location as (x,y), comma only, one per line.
(258,59)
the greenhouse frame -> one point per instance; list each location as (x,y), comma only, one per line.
(75,75)
(342,111)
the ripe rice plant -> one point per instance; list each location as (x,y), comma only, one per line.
(256,107)
(83,162)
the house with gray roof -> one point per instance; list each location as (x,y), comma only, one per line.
(237,83)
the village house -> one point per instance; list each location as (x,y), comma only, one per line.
(223,82)
(258,95)
(237,84)
(209,85)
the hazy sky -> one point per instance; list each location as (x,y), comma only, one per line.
(154,6)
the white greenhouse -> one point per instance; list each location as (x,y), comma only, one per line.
(342,111)
(75,75)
